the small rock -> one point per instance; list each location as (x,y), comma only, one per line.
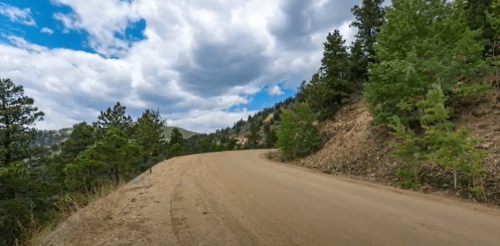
(133,199)
(483,125)
(496,112)
(484,146)
(478,113)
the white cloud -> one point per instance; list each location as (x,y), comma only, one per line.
(47,31)
(275,91)
(15,14)
(72,86)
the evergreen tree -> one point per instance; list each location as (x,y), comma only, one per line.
(113,118)
(115,153)
(176,142)
(82,137)
(17,115)
(452,149)
(335,69)
(493,20)
(254,136)
(148,132)
(296,133)
(369,18)
(423,42)
(408,151)
(20,196)
(270,139)
(358,63)
(476,19)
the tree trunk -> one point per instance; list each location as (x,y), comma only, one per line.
(415,173)
(454,178)
(117,176)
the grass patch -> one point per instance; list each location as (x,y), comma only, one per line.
(67,205)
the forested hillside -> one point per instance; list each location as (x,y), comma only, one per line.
(413,65)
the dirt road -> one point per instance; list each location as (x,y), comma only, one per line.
(240,198)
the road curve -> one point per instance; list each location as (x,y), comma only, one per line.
(240,198)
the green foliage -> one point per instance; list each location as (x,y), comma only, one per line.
(407,176)
(452,149)
(463,89)
(113,118)
(22,202)
(369,20)
(176,142)
(17,115)
(476,13)
(330,88)
(408,152)
(148,133)
(296,133)
(270,139)
(114,154)
(423,42)
(493,19)
(254,136)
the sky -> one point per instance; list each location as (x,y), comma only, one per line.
(203,64)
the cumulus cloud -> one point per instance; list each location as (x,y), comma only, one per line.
(198,59)
(47,31)
(275,91)
(16,14)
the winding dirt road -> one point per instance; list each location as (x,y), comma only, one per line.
(240,198)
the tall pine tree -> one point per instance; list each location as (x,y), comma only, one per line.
(20,190)
(369,18)
(17,116)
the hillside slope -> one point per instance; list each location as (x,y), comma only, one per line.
(167,130)
(361,150)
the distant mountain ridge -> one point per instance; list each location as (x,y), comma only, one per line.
(47,138)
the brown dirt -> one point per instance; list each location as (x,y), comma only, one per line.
(359,150)
(239,198)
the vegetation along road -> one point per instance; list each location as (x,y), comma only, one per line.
(241,198)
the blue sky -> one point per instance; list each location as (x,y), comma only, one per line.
(204,64)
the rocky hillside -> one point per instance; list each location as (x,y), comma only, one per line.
(356,148)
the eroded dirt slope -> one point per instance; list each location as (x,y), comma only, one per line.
(358,149)
(240,198)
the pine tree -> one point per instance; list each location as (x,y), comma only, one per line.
(254,136)
(82,136)
(335,69)
(452,149)
(423,42)
(408,151)
(148,132)
(358,63)
(493,20)
(370,17)
(115,154)
(477,20)
(21,192)
(176,142)
(296,133)
(17,115)
(113,118)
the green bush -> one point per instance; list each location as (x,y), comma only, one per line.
(296,133)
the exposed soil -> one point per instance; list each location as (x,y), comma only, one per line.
(359,150)
(240,198)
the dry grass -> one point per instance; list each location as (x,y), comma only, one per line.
(92,208)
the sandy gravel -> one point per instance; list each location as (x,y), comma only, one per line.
(240,198)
